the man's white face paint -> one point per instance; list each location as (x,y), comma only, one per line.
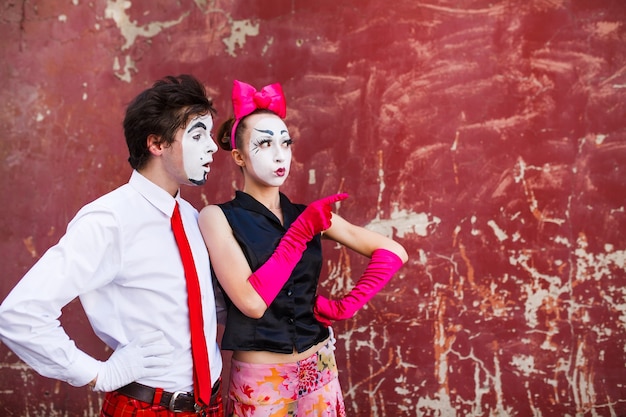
(198,148)
(269,151)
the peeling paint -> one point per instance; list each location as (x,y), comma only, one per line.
(403,222)
(124,74)
(500,234)
(116,11)
(240,29)
(533,203)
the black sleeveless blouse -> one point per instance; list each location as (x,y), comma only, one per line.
(288,322)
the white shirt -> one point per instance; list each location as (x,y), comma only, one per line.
(120,257)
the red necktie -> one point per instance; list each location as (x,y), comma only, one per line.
(201,370)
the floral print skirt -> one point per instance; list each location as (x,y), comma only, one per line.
(309,387)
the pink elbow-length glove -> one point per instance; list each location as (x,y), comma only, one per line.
(382,266)
(274,273)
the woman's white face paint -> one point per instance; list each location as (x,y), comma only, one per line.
(269,151)
(198,148)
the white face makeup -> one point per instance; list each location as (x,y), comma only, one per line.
(269,151)
(198,148)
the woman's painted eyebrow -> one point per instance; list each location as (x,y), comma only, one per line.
(269,132)
(197,125)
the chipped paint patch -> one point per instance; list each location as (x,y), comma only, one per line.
(404,222)
(597,266)
(500,234)
(116,11)
(524,364)
(520,177)
(537,295)
(240,29)
(124,73)
(267,46)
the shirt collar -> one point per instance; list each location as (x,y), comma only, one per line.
(156,195)
(290,212)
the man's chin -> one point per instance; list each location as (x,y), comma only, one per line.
(198,182)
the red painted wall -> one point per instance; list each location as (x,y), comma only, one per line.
(489,137)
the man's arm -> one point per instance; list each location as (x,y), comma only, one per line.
(85,258)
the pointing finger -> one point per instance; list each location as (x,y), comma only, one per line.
(334,198)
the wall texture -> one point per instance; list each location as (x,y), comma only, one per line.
(489,137)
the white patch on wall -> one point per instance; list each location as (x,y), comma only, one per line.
(600,139)
(403,222)
(124,74)
(240,29)
(116,11)
(520,178)
(269,43)
(524,364)
(542,289)
(500,234)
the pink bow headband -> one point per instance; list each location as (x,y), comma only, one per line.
(247,99)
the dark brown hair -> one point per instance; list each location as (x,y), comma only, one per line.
(224,131)
(161,110)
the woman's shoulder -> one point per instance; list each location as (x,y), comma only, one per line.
(211,213)
(217,209)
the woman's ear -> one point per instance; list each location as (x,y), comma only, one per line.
(238,157)
(155,145)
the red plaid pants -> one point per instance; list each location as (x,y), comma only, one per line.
(119,405)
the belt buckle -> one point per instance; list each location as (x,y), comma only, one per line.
(199,410)
(172,404)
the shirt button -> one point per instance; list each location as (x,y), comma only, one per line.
(290,321)
(289,293)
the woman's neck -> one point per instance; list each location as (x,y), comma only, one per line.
(268,196)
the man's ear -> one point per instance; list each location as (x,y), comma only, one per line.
(238,157)
(155,145)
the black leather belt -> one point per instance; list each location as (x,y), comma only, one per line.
(179,401)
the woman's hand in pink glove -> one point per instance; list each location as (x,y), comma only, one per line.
(316,217)
(323,307)
(383,265)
